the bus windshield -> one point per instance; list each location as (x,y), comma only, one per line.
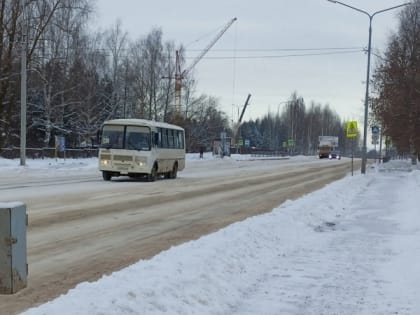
(137,138)
(112,137)
(126,137)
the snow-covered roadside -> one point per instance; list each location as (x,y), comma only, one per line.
(350,248)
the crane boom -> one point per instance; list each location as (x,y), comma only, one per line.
(243,110)
(179,76)
(209,46)
(237,126)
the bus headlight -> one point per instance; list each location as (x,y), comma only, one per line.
(105,159)
(105,162)
(141,160)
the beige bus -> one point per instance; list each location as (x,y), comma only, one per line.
(141,148)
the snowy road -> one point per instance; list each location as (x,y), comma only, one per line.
(81,227)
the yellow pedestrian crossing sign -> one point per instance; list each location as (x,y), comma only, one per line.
(351,129)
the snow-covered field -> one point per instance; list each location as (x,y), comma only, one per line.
(352,247)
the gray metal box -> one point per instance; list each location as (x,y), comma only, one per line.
(13,263)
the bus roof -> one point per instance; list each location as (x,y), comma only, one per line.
(141,122)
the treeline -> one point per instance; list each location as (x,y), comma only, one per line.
(396,103)
(296,128)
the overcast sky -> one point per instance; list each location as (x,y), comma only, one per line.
(269,30)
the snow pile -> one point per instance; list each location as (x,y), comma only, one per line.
(350,248)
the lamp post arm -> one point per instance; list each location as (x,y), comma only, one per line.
(354,8)
(391,8)
(367,13)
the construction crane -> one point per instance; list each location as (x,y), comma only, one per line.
(179,76)
(238,124)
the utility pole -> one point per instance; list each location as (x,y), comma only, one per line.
(23,88)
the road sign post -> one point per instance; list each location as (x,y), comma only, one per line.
(375,138)
(351,132)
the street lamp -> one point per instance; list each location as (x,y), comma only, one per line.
(364,149)
(23,89)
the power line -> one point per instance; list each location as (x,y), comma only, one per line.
(283,56)
(305,52)
(284,49)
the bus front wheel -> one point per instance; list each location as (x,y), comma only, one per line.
(106,175)
(174,172)
(153,174)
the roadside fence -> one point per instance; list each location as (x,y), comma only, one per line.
(41,153)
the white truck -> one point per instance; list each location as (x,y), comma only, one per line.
(326,145)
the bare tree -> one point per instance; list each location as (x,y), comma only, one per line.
(10,16)
(37,23)
(116,44)
(167,85)
(152,68)
(396,83)
(54,53)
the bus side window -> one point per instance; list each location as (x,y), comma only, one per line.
(171,143)
(176,143)
(165,138)
(180,139)
(156,139)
